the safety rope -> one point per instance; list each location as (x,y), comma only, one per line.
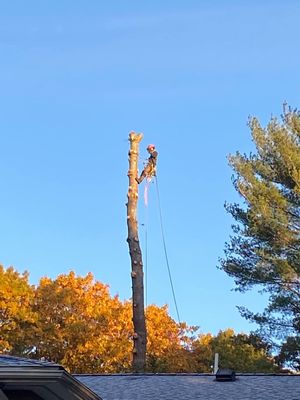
(165,249)
(146,255)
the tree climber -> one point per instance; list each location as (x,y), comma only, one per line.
(150,168)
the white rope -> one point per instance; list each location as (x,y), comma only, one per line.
(165,251)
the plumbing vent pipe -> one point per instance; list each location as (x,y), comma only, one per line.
(216,363)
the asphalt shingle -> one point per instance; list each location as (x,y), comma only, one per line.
(193,387)
(11,361)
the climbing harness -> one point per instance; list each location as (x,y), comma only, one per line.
(150,170)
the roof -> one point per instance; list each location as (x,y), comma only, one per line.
(43,376)
(193,387)
(11,361)
(23,378)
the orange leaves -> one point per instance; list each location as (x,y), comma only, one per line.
(81,326)
(168,342)
(79,320)
(163,331)
(16,296)
(74,321)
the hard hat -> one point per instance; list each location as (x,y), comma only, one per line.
(150,146)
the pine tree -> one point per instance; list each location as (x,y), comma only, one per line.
(264,250)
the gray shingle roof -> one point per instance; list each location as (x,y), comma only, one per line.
(193,387)
(11,361)
(43,379)
(168,386)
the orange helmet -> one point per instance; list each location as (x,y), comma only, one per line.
(150,147)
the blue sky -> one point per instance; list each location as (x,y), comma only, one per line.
(77,76)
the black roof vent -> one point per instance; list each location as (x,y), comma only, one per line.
(225,375)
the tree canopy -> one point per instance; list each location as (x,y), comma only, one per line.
(264,250)
(16,313)
(74,321)
(81,326)
(240,352)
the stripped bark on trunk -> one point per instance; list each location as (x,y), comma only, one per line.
(137,275)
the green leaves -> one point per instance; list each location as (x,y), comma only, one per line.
(241,352)
(265,247)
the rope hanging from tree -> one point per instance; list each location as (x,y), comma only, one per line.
(150,173)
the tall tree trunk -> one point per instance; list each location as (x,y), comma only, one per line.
(137,275)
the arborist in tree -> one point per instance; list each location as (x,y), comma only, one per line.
(150,168)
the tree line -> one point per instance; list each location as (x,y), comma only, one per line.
(74,321)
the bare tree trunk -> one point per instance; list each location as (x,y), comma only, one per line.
(137,275)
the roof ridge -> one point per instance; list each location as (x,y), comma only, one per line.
(6,359)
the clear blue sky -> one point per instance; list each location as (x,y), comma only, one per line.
(77,76)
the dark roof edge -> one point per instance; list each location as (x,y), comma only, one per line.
(189,374)
(82,390)
(46,376)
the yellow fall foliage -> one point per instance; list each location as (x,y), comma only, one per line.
(74,321)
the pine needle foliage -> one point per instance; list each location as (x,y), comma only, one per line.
(264,249)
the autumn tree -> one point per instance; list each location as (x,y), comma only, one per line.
(241,352)
(264,251)
(86,330)
(16,316)
(169,342)
(81,326)
(74,321)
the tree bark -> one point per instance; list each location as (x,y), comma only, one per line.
(137,275)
